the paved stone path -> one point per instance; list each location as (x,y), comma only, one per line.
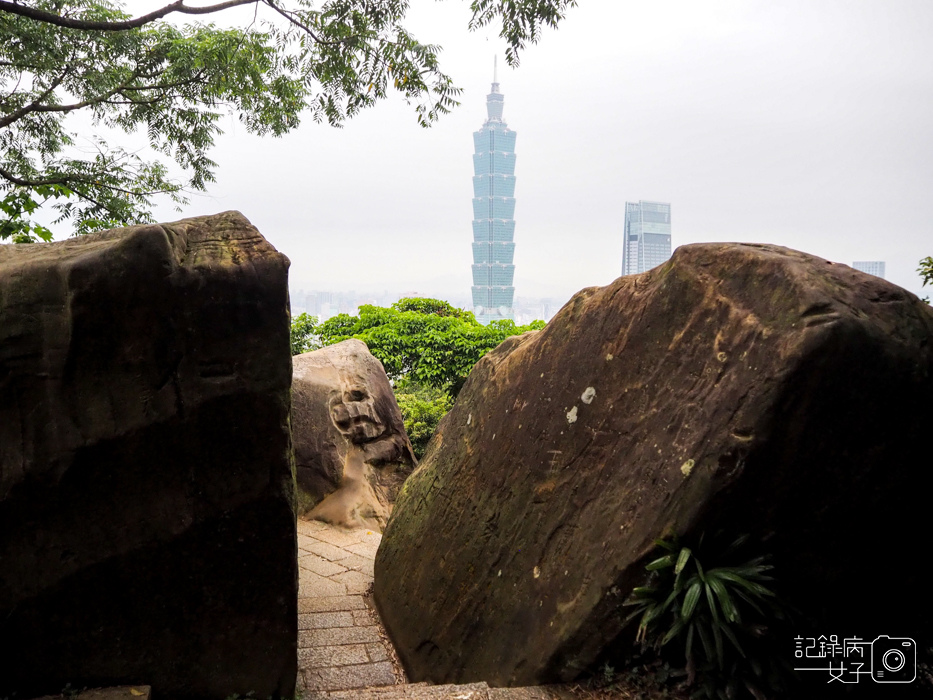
(343,650)
(341,643)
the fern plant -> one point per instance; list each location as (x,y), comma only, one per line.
(716,612)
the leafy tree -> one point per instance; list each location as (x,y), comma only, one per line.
(424,340)
(173,84)
(304,334)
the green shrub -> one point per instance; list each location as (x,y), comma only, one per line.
(713,607)
(422,409)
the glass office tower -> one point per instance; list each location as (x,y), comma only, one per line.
(872,267)
(647,236)
(493,209)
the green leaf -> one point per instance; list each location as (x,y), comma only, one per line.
(750,586)
(662,563)
(643,591)
(688,645)
(675,629)
(717,639)
(711,603)
(682,559)
(706,642)
(725,600)
(730,635)
(691,599)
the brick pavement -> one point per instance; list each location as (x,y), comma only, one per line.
(341,643)
(343,650)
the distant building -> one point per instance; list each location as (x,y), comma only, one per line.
(493,211)
(872,267)
(647,236)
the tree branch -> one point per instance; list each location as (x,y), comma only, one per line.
(10,177)
(72,180)
(71,23)
(288,15)
(35,104)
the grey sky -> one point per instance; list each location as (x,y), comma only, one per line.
(802,123)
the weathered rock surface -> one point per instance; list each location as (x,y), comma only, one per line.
(747,387)
(147,523)
(351,450)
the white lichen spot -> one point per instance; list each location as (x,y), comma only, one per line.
(687,467)
(542,375)
(588,395)
(469,418)
(493,436)
(609,357)
(500,573)
(536,572)
(721,357)
(572,415)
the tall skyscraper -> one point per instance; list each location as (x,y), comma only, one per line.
(872,267)
(647,236)
(493,209)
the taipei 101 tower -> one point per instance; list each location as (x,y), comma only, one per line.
(493,211)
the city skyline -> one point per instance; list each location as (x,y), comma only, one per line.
(783,114)
(493,266)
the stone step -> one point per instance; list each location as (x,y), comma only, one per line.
(410,691)
(423,691)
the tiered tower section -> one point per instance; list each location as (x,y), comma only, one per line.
(493,211)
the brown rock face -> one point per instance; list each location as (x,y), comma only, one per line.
(745,387)
(351,450)
(147,525)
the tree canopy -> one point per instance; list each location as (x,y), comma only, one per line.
(425,341)
(172,83)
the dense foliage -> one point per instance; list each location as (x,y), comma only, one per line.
(427,341)
(172,83)
(422,409)
(304,335)
(427,347)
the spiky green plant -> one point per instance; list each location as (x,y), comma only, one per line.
(715,612)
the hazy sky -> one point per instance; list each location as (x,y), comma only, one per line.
(805,123)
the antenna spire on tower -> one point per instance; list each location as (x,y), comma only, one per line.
(495,68)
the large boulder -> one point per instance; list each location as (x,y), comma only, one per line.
(147,522)
(748,388)
(351,450)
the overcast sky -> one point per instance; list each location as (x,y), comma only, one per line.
(805,123)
